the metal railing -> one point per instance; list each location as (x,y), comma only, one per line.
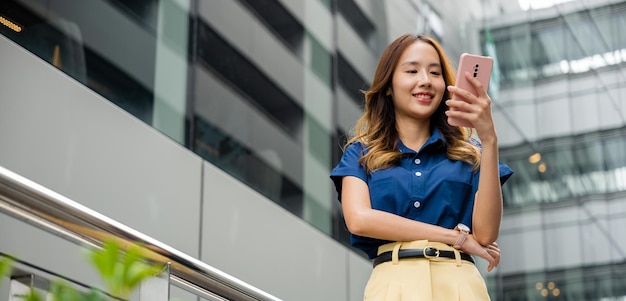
(54,213)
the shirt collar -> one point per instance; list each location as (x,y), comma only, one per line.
(436,138)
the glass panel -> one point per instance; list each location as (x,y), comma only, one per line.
(587,34)
(170,99)
(88,40)
(321,62)
(614,150)
(601,283)
(573,167)
(548,50)
(590,159)
(618,22)
(328,4)
(524,188)
(575,42)
(513,52)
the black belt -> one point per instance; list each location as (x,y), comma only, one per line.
(429,252)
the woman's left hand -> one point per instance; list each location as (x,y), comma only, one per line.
(474,109)
(490,253)
(494,250)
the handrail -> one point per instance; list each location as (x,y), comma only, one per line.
(46,209)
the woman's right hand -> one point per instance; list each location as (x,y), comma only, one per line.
(491,253)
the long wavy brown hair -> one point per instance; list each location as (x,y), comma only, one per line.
(376,128)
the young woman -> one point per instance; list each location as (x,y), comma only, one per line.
(420,196)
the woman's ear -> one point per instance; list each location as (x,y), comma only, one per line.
(388,93)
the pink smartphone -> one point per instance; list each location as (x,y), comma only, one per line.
(477,66)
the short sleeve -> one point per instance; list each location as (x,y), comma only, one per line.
(504,170)
(349,166)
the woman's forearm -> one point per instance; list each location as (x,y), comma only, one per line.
(384,225)
(362,220)
(487,214)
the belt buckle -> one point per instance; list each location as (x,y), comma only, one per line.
(430,252)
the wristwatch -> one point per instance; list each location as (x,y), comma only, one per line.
(463,232)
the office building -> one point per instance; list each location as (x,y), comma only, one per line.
(560,108)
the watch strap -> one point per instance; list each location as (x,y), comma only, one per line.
(460,240)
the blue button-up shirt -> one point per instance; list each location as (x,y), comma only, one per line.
(426,186)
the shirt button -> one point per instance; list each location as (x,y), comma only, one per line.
(417,173)
(418,161)
(417,204)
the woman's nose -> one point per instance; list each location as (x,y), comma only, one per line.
(424,79)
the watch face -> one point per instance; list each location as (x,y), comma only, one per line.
(463,227)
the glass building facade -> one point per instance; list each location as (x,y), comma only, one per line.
(585,43)
(559,95)
(211,87)
(266,91)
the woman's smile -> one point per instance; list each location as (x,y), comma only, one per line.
(425,97)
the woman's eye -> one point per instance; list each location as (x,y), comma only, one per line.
(411,71)
(435,73)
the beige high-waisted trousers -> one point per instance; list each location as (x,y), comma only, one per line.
(425,279)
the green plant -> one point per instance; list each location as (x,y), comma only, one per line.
(122,271)
(61,291)
(6,263)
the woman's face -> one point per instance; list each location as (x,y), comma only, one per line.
(417,84)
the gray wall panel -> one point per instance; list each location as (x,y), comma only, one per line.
(522,242)
(350,112)
(319,22)
(4,287)
(259,242)
(359,273)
